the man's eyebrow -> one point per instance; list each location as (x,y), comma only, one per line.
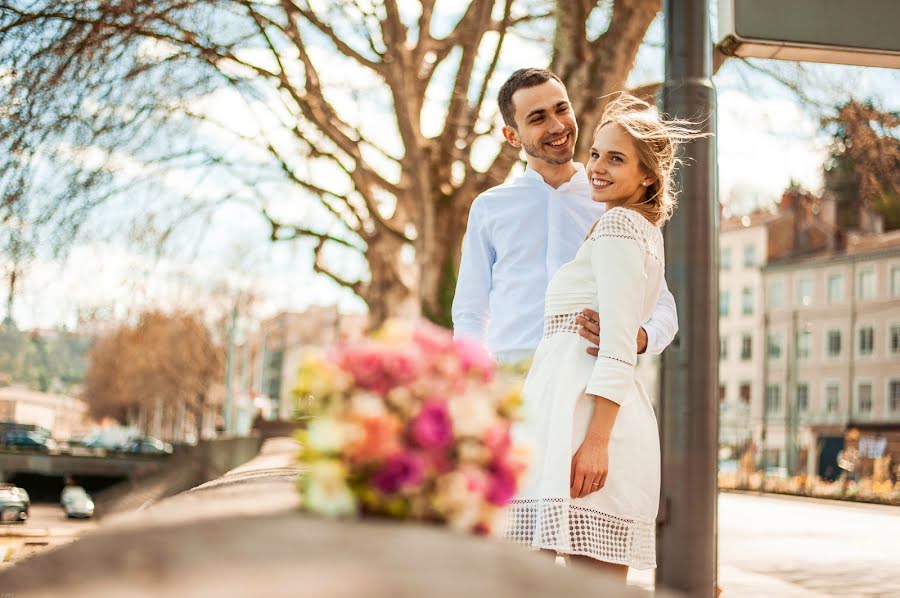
(537,111)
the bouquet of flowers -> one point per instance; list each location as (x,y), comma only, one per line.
(410,424)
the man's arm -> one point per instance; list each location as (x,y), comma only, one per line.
(662,326)
(471,303)
(653,337)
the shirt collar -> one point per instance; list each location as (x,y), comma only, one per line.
(579,178)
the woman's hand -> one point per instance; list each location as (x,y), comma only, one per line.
(590,464)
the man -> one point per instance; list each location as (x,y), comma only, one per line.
(521,232)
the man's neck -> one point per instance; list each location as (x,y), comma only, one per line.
(553,174)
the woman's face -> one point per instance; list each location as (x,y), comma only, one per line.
(616,175)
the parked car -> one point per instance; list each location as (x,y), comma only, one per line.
(148,445)
(76,502)
(12,507)
(20,491)
(30,440)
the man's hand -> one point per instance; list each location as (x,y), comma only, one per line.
(589,321)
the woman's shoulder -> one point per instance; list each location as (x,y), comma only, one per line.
(620,222)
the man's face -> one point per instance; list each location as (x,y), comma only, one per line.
(545,123)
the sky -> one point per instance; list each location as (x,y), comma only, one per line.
(767,137)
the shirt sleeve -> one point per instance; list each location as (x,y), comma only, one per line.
(662,326)
(471,302)
(617,259)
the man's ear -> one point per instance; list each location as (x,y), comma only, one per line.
(511,136)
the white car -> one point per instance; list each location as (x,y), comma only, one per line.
(76,502)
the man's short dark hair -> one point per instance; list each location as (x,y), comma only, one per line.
(521,79)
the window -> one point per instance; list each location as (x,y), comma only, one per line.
(894,336)
(804,342)
(802,397)
(895,281)
(747,301)
(776,294)
(835,288)
(834,343)
(724,303)
(722,389)
(773,398)
(723,348)
(744,392)
(746,347)
(775,345)
(864,397)
(725,259)
(832,398)
(804,291)
(866,286)
(894,395)
(749,256)
(866,340)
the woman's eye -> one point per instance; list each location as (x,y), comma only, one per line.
(615,159)
(594,155)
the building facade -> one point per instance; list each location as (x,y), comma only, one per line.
(809,337)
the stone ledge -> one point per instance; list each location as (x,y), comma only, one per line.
(242,535)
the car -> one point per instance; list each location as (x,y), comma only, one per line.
(20,491)
(30,440)
(148,445)
(76,502)
(12,507)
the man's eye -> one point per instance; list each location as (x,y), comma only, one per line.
(563,109)
(535,121)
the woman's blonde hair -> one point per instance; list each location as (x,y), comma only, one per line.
(657,140)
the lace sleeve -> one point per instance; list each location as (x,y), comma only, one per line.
(617,259)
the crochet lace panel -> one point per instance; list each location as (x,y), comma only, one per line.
(628,224)
(555,524)
(560,323)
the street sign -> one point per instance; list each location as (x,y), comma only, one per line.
(861,32)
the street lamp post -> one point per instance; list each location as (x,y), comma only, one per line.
(686,551)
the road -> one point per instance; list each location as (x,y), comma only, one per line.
(47,526)
(799,548)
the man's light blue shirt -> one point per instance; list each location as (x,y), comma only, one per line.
(518,235)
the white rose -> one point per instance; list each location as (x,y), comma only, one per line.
(472,415)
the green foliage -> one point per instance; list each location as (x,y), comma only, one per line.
(53,362)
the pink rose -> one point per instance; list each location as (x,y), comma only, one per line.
(432,427)
(501,487)
(403,470)
(475,358)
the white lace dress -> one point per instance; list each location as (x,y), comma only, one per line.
(619,272)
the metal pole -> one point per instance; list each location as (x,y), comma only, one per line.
(228,407)
(790,392)
(686,550)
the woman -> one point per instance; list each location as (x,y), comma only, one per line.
(593,489)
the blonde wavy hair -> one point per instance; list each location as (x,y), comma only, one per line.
(656,140)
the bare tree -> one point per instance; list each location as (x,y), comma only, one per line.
(390,203)
(167,362)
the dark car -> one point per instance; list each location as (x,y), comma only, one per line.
(147,445)
(29,440)
(12,507)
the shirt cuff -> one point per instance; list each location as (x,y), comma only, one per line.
(653,347)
